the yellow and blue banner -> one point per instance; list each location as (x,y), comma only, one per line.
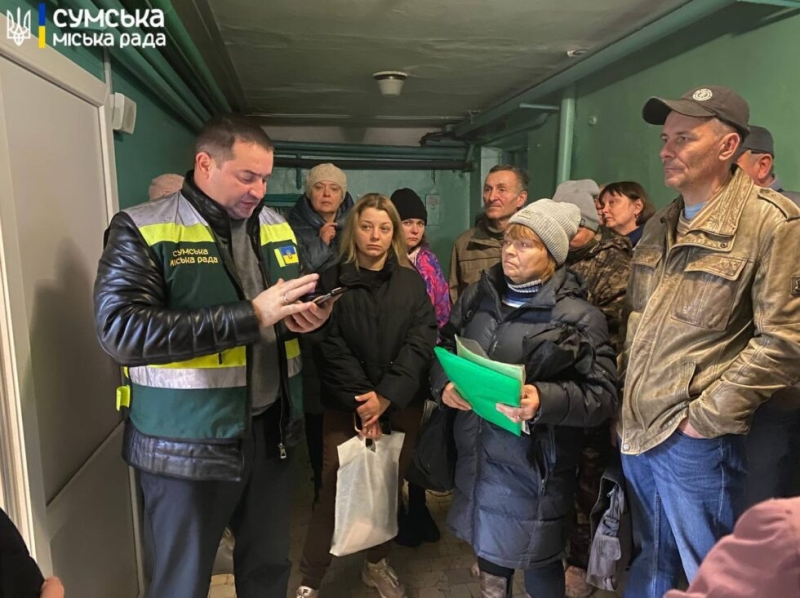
(42,24)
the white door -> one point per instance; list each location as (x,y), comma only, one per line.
(63,480)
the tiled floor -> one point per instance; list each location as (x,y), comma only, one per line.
(438,570)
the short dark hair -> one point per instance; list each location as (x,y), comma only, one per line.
(221,132)
(632,191)
(521,175)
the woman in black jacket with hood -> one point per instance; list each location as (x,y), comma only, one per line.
(373,360)
(513,493)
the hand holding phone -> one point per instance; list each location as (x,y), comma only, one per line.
(323,298)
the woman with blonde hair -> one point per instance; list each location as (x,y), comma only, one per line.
(373,359)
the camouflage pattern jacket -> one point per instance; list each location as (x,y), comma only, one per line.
(605,265)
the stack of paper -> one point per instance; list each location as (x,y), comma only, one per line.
(484,383)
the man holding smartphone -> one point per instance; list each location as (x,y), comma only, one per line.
(197,295)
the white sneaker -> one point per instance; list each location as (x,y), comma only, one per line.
(306,592)
(383,578)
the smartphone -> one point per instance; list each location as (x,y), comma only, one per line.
(323,298)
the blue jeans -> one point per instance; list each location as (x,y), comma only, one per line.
(685,494)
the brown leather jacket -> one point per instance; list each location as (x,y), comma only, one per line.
(474,251)
(714,326)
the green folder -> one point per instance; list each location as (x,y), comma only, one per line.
(483,387)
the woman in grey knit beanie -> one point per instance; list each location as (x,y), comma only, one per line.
(515,483)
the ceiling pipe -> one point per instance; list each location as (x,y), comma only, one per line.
(191,54)
(543,107)
(287,162)
(524,128)
(674,21)
(369,151)
(132,60)
(780,3)
(566,133)
(158,62)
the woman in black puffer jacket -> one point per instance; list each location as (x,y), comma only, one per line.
(513,494)
(373,360)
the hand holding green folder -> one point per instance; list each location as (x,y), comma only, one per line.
(484,383)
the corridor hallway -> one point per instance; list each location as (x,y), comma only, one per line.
(438,570)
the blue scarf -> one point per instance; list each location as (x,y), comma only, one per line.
(517,295)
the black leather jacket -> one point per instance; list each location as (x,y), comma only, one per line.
(135,327)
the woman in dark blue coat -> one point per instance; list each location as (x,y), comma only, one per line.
(514,494)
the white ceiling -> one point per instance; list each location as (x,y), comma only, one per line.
(309,62)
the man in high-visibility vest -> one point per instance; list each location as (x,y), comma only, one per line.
(198,296)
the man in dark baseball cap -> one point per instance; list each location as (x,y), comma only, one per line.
(702,102)
(697,360)
(772,445)
(756,157)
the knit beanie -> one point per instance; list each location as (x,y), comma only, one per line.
(326,172)
(581,193)
(409,205)
(554,223)
(163,185)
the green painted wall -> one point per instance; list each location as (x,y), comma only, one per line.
(750,48)
(452,187)
(542,159)
(160,143)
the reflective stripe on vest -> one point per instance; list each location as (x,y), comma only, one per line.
(219,370)
(293,358)
(175,220)
(189,378)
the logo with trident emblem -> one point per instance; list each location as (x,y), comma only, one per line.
(18,29)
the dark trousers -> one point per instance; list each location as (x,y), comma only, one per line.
(540,582)
(314,444)
(773,454)
(595,454)
(184,521)
(338,428)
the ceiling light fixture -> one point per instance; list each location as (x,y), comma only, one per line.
(390,83)
(577,52)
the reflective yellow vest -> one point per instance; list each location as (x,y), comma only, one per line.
(206,398)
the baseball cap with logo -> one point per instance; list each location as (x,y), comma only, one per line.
(702,102)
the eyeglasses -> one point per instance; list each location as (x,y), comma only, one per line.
(520,244)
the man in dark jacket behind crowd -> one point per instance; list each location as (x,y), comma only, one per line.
(756,156)
(773,444)
(478,249)
(191,282)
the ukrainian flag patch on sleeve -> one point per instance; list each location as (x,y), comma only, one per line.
(286,255)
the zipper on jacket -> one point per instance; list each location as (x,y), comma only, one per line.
(281,344)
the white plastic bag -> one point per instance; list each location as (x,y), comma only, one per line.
(366,493)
